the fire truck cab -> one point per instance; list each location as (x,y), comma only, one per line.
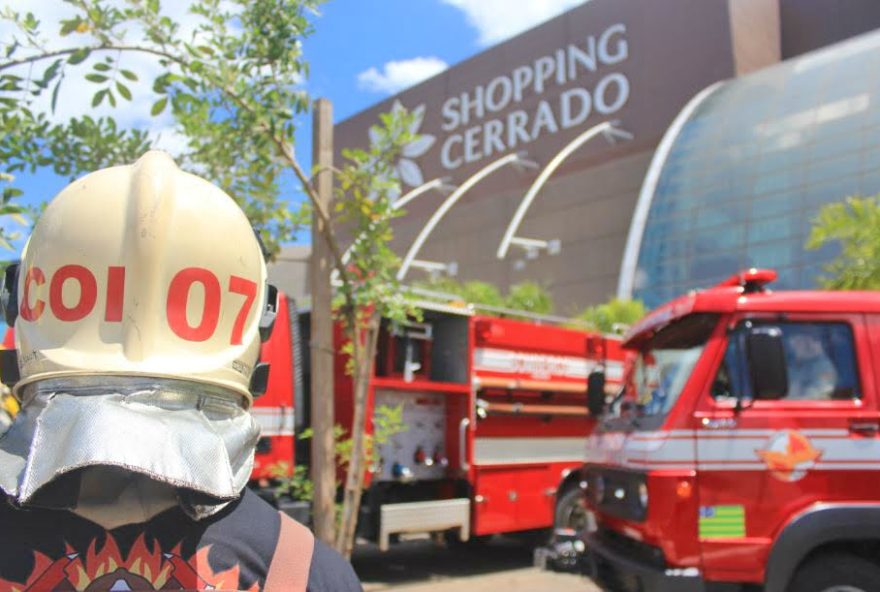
(744,448)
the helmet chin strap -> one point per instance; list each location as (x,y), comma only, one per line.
(113,497)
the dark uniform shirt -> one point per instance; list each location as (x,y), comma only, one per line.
(58,550)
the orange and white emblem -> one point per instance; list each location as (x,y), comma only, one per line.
(789,455)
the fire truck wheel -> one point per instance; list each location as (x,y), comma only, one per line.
(836,572)
(571,510)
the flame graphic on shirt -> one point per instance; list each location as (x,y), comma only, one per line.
(143,568)
(789,455)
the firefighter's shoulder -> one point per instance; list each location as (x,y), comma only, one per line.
(296,555)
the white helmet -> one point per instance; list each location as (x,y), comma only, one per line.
(140,300)
(142,271)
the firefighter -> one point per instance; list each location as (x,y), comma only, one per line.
(139,306)
(811,373)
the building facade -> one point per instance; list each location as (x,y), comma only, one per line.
(629,66)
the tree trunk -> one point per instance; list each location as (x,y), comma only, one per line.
(323,451)
(364,341)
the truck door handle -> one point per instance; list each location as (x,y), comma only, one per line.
(462,444)
(865,428)
(722,423)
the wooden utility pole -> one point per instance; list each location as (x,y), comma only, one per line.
(323,449)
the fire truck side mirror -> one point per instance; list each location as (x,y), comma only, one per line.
(766,356)
(596,392)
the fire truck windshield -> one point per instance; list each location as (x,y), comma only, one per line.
(664,364)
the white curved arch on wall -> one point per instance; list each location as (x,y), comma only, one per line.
(516,158)
(646,195)
(607,128)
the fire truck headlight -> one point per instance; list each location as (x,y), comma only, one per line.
(643,495)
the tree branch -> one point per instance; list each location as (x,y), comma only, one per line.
(102,47)
(320,211)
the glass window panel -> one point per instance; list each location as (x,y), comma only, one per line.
(821,193)
(769,229)
(789,278)
(871,157)
(708,271)
(715,214)
(774,160)
(820,361)
(832,146)
(773,255)
(717,238)
(870,184)
(777,181)
(770,205)
(834,168)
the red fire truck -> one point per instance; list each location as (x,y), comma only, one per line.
(743,451)
(495,414)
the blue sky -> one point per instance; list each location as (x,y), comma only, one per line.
(361,52)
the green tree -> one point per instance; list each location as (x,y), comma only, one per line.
(530,297)
(233,86)
(854,225)
(611,316)
(472,292)
(525,296)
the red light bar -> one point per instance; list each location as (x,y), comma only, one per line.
(751,280)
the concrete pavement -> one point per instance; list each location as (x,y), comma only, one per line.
(421,566)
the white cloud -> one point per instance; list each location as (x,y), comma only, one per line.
(397,75)
(496,20)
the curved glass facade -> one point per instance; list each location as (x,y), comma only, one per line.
(752,165)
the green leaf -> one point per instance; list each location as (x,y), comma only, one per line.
(78,56)
(129,74)
(55,93)
(159,106)
(97,78)
(102,67)
(69,26)
(99,96)
(50,73)
(123,90)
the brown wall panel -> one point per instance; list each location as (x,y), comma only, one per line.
(811,24)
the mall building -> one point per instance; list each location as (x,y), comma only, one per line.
(641,147)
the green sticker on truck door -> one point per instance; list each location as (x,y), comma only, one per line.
(717,522)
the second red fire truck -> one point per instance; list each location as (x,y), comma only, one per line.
(494,411)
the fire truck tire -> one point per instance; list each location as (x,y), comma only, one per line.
(571,511)
(836,572)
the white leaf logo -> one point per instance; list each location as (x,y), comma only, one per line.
(406,168)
